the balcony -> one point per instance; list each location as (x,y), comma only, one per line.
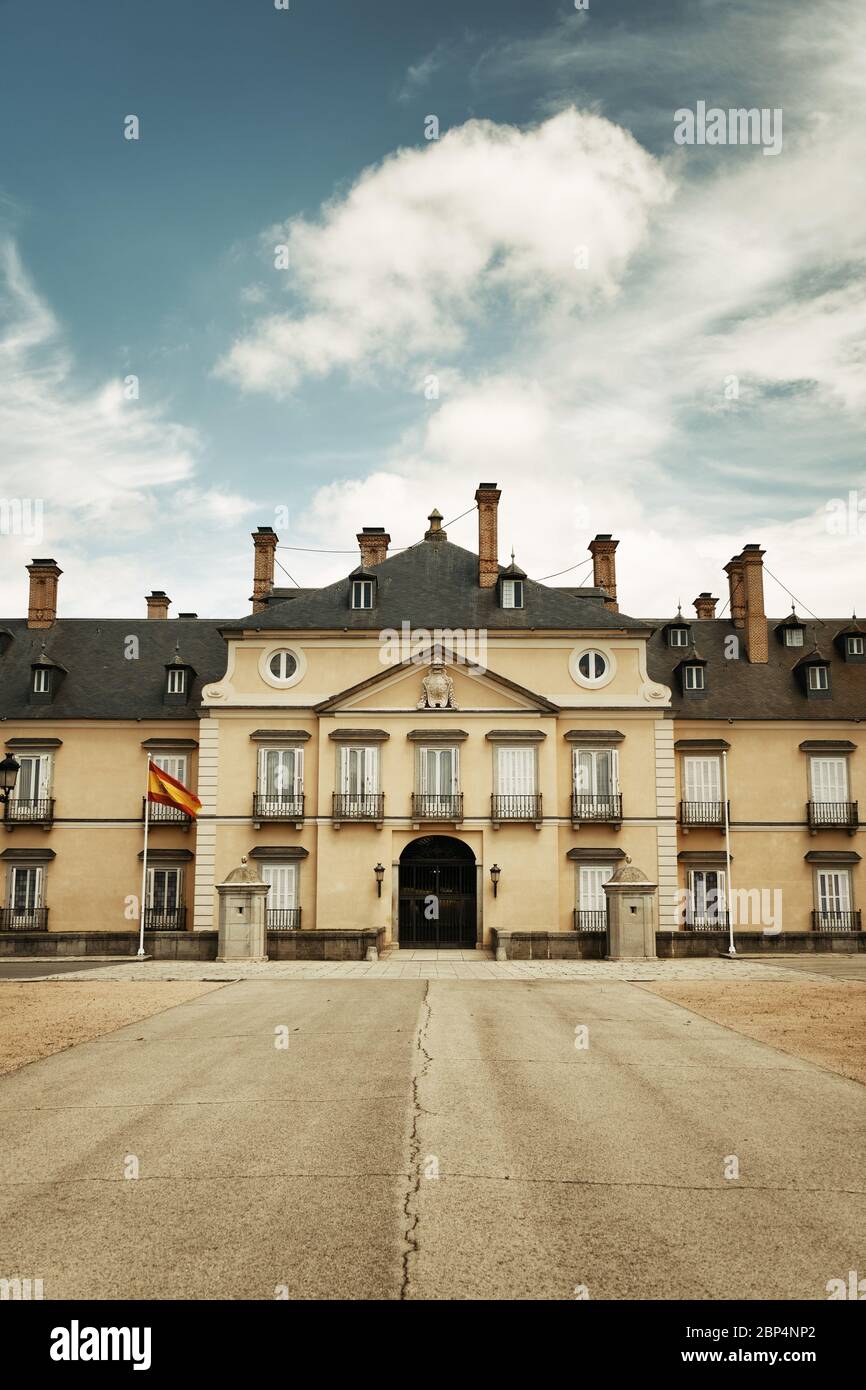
(23,919)
(359,806)
(436,806)
(706,921)
(283,919)
(703,815)
(173,919)
(589,919)
(596,810)
(160,814)
(30,811)
(836,921)
(270,808)
(832,815)
(516,808)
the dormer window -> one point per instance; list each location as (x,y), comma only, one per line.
(791,632)
(41,681)
(362,593)
(693,678)
(179,678)
(678,636)
(176,681)
(855,646)
(819,678)
(512,593)
(793,636)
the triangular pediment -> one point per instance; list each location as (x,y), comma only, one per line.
(401,688)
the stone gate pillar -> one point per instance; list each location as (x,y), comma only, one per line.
(242,934)
(631,914)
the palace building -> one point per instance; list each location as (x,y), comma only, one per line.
(438,750)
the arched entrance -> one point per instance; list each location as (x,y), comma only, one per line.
(437,893)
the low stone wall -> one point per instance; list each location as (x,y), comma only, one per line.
(592,945)
(550,945)
(348,944)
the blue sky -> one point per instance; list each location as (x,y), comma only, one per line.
(595,396)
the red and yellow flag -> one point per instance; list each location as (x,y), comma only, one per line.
(169,792)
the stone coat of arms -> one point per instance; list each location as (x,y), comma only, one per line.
(438,688)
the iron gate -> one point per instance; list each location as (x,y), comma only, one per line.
(437,904)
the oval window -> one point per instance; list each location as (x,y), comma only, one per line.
(592,666)
(283,665)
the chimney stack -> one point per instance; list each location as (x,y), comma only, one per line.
(374,542)
(752,561)
(42,607)
(264,544)
(705,605)
(487,496)
(603,552)
(157,604)
(736,590)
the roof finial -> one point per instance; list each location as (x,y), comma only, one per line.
(435,532)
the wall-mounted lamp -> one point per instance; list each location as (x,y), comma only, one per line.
(495,871)
(9,770)
(379,871)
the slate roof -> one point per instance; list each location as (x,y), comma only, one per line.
(101,682)
(435,584)
(738,690)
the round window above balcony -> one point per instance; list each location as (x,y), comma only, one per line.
(591,668)
(282,667)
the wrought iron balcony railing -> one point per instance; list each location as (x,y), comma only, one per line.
(23,919)
(172,919)
(273,806)
(706,921)
(835,921)
(283,919)
(30,811)
(358,806)
(833,815)
(706,814)
(605,810)
(526,807)
(160,814)
(436,806)
(590,919)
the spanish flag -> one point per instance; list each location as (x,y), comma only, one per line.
(169,792)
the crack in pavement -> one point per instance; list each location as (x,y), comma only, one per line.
(410,1203)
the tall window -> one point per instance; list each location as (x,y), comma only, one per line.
(707,906)
(176,681)
(41,680)
(702,779)
(819,678)
(359,769)
(834,891)
(362,593)
(281,773)
(25,889)
(596,772)
(515,772)
(829,778)
(591,897)
(164,891)
(512,593)
(283,896)
(34,779)
(438,771)
(172,763)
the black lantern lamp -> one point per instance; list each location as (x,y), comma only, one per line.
(379,871)
(495,871)
(9,769)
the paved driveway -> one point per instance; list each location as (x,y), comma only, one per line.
(429,1139)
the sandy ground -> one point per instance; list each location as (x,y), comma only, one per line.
(823,1023)
(37,1019)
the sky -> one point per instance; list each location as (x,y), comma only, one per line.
(362,257)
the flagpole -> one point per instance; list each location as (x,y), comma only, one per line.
(143,898)
(732,950)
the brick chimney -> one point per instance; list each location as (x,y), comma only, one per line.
(157,604)
(264,545)
(42,607)
(752,560)
(736,590)
(705,605)
(374,542)
(603,552)
(487,497)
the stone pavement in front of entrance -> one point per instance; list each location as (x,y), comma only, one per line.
(451,965)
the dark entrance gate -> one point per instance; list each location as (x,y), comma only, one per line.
(437,894)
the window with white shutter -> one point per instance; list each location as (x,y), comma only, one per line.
(829,779)
(703,779)
(34,778)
